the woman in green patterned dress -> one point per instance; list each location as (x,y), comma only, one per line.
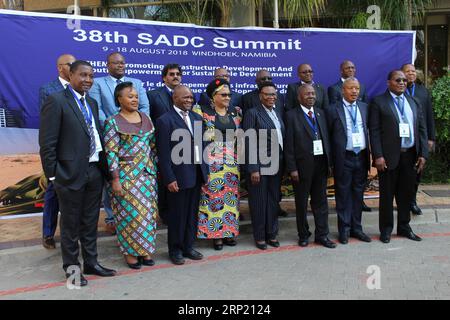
(130,149)
(218,217)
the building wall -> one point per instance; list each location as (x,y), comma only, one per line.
(58,5)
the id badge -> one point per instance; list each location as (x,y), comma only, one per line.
(357,139)
(197,154)
(317,147)
(404,130)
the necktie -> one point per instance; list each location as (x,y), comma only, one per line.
(118,81)
(354,115)
(310,115)
(186,119)
(85,112)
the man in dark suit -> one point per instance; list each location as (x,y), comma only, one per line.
(422,95)
(51,208)
(161,102)
(251,99)
(160,99)
(183,176)
(348,70)
(236,98)
(306,75)
(348,121)
(72,157)
(399,147)
(264,177)
(308,161)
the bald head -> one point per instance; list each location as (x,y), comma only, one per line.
(348,69)
(305,73)
(222,73)
(306,95)
(183,97)
(63,64)
(263,76)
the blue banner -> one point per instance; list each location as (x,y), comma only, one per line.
(32,42)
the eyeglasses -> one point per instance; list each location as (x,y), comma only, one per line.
(122,63)
(269,94)
(173,74)
(401,80)
(224,95)
(220,76)
(266,78)
(306,71)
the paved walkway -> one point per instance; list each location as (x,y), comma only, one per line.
(406,269)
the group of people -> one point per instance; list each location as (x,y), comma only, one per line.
(139,152)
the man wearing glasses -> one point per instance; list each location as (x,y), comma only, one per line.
(399,148)
(236,98)
(306,75)
(103,92)
(161,98)
(51,207)
(251,99)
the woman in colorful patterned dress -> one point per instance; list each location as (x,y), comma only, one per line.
(130,149)
(219,201)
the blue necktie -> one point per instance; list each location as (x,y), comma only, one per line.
(84,110)
(118,81)
(354,115)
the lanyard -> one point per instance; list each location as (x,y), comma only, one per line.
(353,116)
(402,109)
(413,89)
(312,125)
(87,108)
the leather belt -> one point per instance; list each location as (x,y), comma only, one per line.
(406,149)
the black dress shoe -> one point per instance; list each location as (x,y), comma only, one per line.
(229,242)
(327,243)
(282,213)
(83,281)
(148,262)
(135,266)
(365,207)
(261,246)
(274,243)
(193,255)
(177,259)
(217,245)
(98,270)
(343,239)
(385,238)
(416,210)
(303,242)
(410,235)
(361,236)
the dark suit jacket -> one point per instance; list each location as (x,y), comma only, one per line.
(48,89)
(185,173)
(292,96)
(337,127)
(257,118)
(385,139)
(160,102)
(335,93)
(251,99)
(422,94)
(236,99)
(64,139)
(299,140)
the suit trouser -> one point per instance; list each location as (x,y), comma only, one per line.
(312,182)
(182,218)
(264,204)
(398,183)
(79,218)
(350,185)
(51,209)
